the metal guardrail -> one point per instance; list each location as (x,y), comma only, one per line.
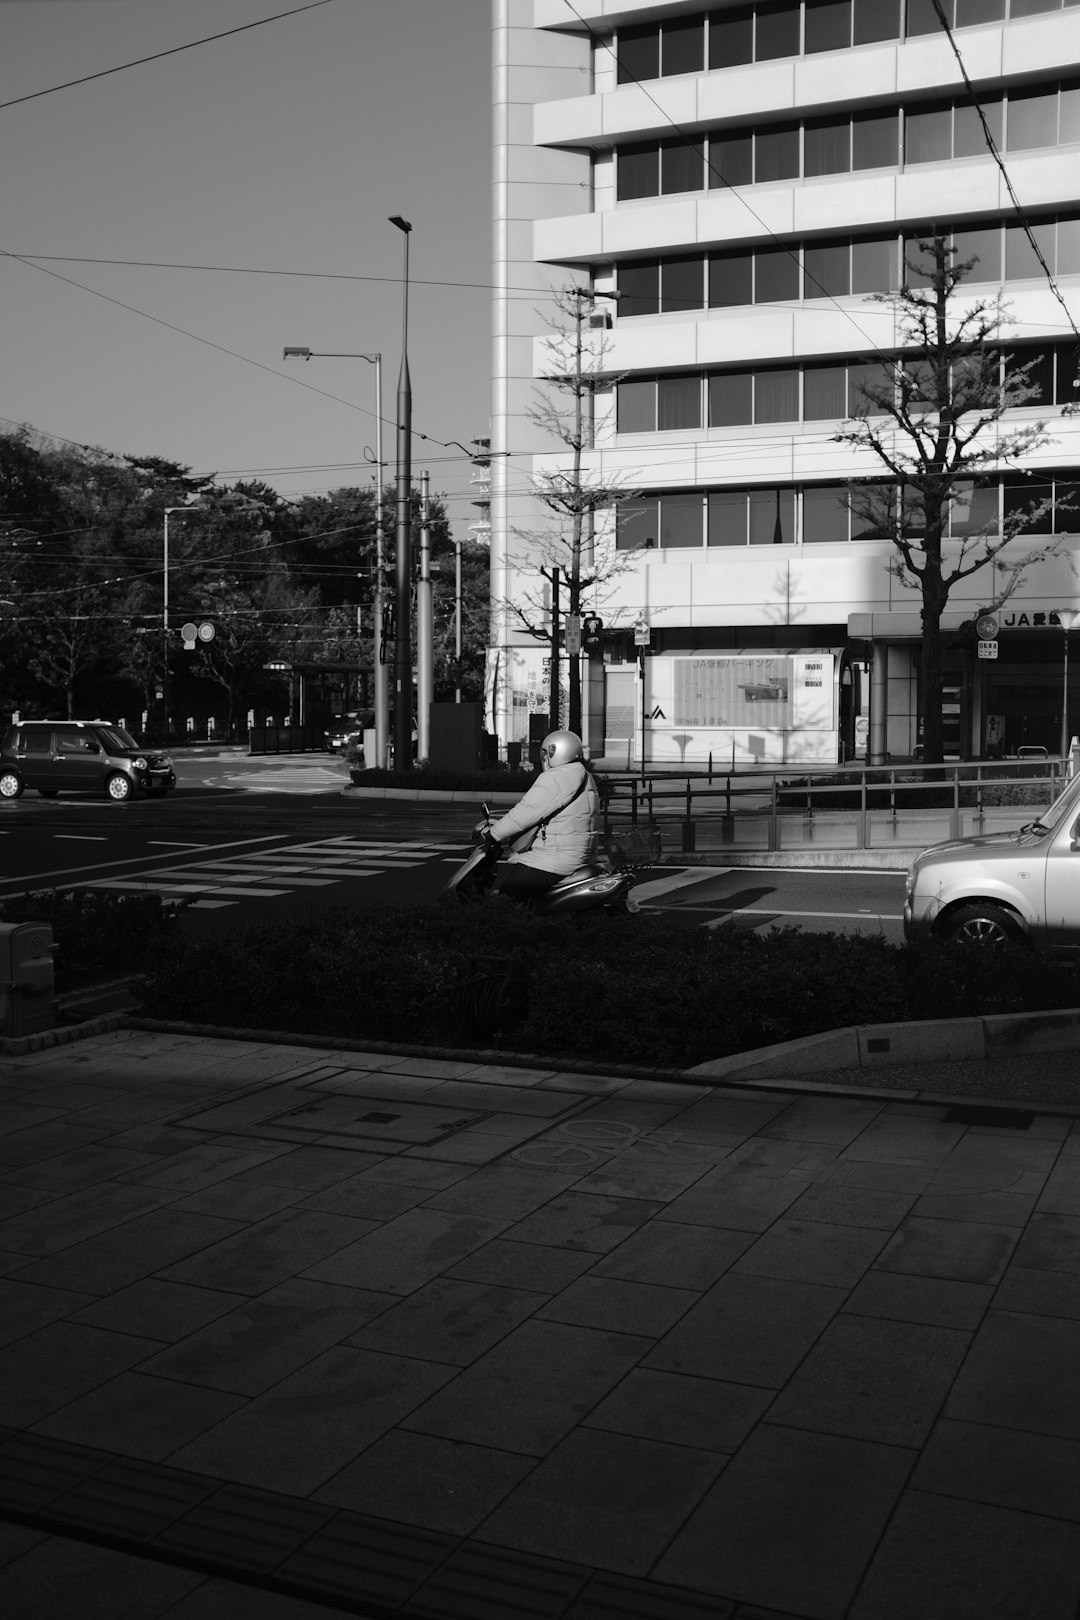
(773,810)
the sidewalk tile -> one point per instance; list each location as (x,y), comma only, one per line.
(271,1251)
(133,1500)
(852,1206)
(826,1500)
(967,1560)
(446,1485)
(406,1172)
(936,1301)
(530,1390)
(1021,1370)
(310,1168)
(508,1099)
(686,1411)
(265,1339)
(990,1208)
(73,1580)
(730,1119)
(749,1330)
(15,1199)
(241,1201)
(836,1120)
(625,1176)
(1033,1473)
(54,1366)
(370,1559)
(620,1305)
(609,1500)
(363,1199)
(139,1416)
(1050,1243)
(876,1176)
(16,1539)
(447,1320)
(1039,1293)
(675,1256)
(523,1265)
(314,1422)
(1061,1195)
(152,1309)
(65,1221)
(200,1166)
(874,1380)
(245,1528)
(965,1250)
(901,1139)
(743,1197)
(510,1189)
(84,1167)
(118,1258)
(813,1251)
(25,1307)
(583,1221)
(614,1597)
(34,1470)
(403,1254)
(489,1583)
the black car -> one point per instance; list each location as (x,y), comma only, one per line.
(82,756)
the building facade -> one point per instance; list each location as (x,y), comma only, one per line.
(743,176)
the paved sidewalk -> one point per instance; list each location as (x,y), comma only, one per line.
(289,1330)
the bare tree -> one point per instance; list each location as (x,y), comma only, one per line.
(932,421)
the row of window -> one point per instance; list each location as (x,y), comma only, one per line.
(837,268)
(1023,121)
(812,393)
(779,28)
(818,514)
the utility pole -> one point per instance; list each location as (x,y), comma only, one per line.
(554,693)
(403,675)
(425,651)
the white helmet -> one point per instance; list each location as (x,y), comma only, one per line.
(560,748)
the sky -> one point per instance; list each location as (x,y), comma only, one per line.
(283,148)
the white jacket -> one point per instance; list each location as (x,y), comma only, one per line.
(569,839)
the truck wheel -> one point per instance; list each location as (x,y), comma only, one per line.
(984,924)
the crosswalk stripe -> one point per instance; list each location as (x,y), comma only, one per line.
(677,880)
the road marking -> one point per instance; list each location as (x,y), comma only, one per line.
(679,880)
(773,911)
(171,843)
(133,860)
(84,838)
(176,888)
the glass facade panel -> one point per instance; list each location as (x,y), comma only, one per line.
(828,270)
(1066,507)
(923,19)
(639,288)
(1039,379)
(1068,247)
(772,517)
(731,280)
(971,12)
(982,246)
(682,167)
(678,403)
(974,509)
(731,399)
(824,393)
(872,375)
(727,518)
(682,284)
(731,38)
(1022,495)
(827,25)
(1021,262)
(1032,8)
(928,135)
(731,160)
(637,524)
(875,142)
(873,265)
(918,261)
(776,275)
(681,520)
(636,407)
(637,52)
(776,396)
(826,146)
(1032,120)
(968,137)
(682,47)
(875,20)
(1069,115)
(825,516)
(776,153)
(637,172)
(776,30)
(1068,371)
(873,511)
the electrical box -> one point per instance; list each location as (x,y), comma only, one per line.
(27,978)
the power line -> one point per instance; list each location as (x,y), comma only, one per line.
(121,67)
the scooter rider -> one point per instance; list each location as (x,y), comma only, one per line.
(553,828)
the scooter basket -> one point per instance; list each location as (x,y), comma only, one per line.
(634,845)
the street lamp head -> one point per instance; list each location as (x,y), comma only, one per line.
(402,224)
(296,354)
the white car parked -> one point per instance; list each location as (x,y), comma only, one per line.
(1022,885)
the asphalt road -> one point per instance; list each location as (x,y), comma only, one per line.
(245,840)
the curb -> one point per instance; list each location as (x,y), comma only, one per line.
(430,795)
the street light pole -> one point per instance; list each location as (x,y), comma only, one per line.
(381,693)
(169,510)
(1068,618)
(403,554)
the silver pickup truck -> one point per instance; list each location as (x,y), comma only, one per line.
(1022,885)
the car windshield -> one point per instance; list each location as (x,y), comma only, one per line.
(115,740)
(1051,818)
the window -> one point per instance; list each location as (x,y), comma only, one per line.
(731,38)
(971,12)
(35,742)
(928,135)
(682,284)
(777,30)
(731,399)
(731,280)
(636,407)
(873,375)
(875,141)
(776,396)
(772,517)
(1021,261)
(1039,379)
(682,167)
(1068,247)
(681,521)
(1068,371)
(678,403)
(968,137)
(974,508)
(731,160)
(873,265)
(639,287)
(727,518)
(72,742)
(638,524)
(638,54)
(875,20)
(1022,495)
(825,516)
(776,153)
(922,18)
(828,25)
(1032,8)
(776,275)
(1069,115)
(682,46)
(826,146)
(982,246)
(1066,507)
(637,172)
(824,392)
(1032,120)
(828,270)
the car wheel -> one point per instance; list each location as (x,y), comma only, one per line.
(118,787)
(48,793)
(983,924)
(10,785)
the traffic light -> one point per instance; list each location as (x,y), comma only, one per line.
(592,635)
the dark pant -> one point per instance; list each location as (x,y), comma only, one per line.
(521,882)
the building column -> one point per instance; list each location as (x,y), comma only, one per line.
(879,707)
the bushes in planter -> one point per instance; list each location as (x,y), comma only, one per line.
(99,934)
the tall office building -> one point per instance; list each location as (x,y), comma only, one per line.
(743,176)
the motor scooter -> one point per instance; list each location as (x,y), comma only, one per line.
(599,886)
